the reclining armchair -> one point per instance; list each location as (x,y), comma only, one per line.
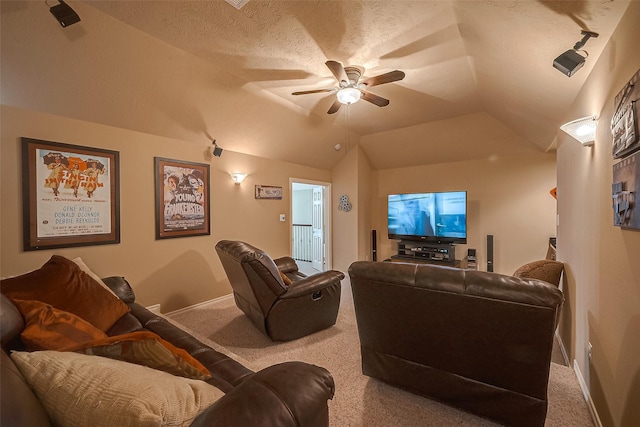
(282,302)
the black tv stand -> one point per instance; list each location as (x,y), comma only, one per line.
(432,253)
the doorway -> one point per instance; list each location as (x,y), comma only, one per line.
(310,225)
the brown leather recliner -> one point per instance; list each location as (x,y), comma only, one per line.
(479,341)
(283,311)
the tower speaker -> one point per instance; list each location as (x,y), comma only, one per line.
(374,246)
(490,252)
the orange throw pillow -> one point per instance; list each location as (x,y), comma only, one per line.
(148,349)
(63,285)
(285,278)
(48,328)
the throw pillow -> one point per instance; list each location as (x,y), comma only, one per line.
(547,270)
(63,285)
(48,328)
(80,390)
(285,279)
(148,349)
(84,267)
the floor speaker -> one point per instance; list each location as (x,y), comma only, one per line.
(490,252)
(374,246)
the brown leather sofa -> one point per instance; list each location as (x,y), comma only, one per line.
(478,341)
(287,394)
(282,310)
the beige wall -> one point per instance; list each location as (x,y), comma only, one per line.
(345,224)
(69,75)
(105,71)
(602,281)
(506,197)
(173,272)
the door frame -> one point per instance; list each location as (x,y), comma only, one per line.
(326,214)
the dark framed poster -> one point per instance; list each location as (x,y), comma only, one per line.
(624,123)
(70,195)
(625,188)
(182,198)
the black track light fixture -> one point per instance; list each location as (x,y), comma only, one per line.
(571,61)
(64,14)
(217,151)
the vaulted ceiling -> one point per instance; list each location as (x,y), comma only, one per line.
(479,76)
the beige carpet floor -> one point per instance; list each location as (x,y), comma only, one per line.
(359,400)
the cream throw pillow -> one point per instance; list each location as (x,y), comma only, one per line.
(81,390)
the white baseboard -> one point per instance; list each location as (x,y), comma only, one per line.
(563,349)
(583,384)
(155,308)
(200,304)
(586,394)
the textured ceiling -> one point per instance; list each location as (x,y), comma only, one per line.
(474,69)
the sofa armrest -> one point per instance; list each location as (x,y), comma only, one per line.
(313,283)
(288,394)
(120,287)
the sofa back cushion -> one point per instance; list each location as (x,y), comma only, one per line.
(63,285)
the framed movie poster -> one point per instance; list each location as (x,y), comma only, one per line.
(182,199)
(268,192)
(70,195)
(625,188)
(624,123)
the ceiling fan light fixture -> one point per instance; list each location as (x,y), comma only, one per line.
(349,95)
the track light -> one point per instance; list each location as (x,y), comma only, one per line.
(216,151)
(64,14)
(571,61)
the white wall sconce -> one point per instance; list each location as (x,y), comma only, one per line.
(238,177)
(582,130)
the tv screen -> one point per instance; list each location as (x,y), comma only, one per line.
(433,217)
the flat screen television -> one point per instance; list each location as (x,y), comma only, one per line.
(431,217)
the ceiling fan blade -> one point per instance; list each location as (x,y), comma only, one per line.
(391,76)
(334,107)
(306,92)
(338,71)
(374,99)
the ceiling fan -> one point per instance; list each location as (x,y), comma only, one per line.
(351,89)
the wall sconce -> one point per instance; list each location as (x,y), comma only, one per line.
(64,14)
(238,177)
(582,130)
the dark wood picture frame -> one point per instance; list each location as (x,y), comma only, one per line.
(268,192)
(70,195)
(182,198)
(624,123)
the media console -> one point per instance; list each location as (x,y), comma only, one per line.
(432,253)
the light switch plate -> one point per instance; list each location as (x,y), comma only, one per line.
(282,217)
